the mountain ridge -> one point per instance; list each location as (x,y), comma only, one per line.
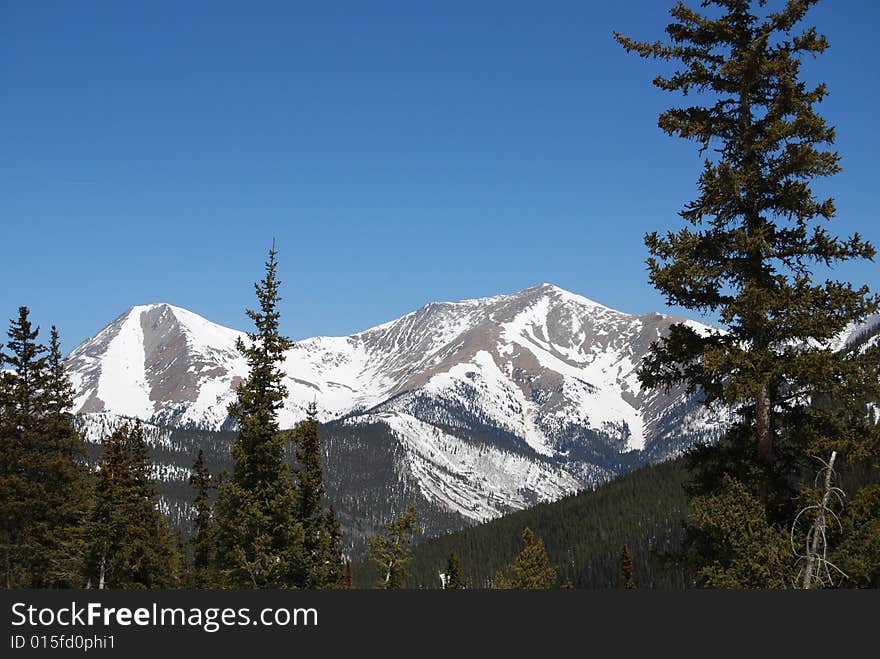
(514,398)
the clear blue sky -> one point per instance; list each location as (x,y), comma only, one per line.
(398,152)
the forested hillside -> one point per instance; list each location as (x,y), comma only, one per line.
(584,535)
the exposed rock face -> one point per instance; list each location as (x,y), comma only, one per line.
(546,377)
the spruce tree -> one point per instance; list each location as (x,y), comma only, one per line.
(44,483)
(530,570)
(753,240)
(322,542)
(21,494)
(260,538)
(130,545)
(68,492)
(204,534)
(756,230)
(391,551)
(453,579)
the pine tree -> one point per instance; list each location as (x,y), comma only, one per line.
(44,483)
(260,538)
(130,545)
(530,570)
(453,579)
(390,551)
(204,534)
(322,534)
(68,491)
(756,228)
(755,235)
(21,494)
(626,569)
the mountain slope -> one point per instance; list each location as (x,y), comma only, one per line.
(497,403)
(644,509)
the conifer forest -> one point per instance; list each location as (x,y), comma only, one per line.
(768,478)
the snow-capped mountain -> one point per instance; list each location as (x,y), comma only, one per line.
(497,402)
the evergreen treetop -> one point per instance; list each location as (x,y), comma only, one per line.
(757,231)
(453,579)
(531,569)
(323,537)
(44,483)
(390,551)
(260,535)
(204,535)
(259,450)
(130,545)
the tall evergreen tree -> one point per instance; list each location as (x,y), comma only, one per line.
(391,551)
(530,570)
(44,484)
(204,534)
(756,234)
(453,579)
(756,229)
(260,538)
(322,542)
(68,491)
(130,545)
(21,495)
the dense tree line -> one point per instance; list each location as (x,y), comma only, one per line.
(66,525)
(582,534)
(789,495)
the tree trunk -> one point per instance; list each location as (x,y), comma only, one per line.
(388,573)
(819,526)
(101,572)
(762,422)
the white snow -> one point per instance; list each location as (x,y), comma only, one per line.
(479,482)
(123,384)
(560,364)
(600,405)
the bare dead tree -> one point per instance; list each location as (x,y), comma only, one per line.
(818,571)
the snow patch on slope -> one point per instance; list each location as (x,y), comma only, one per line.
(499,399)
(123,384)
(479,482)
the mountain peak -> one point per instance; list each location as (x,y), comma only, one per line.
(557,292)
(549,376)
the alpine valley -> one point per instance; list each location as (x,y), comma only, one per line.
(473,409)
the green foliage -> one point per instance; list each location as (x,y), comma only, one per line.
(530,570)
(756,229)
(390,552)
(202,572)
(583,534)
(258,451)
(737,546)
(323,536)
(756,232)
(260,538)
(453,579)
(44,483)
(858,554)
(129,543)
(260,543)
